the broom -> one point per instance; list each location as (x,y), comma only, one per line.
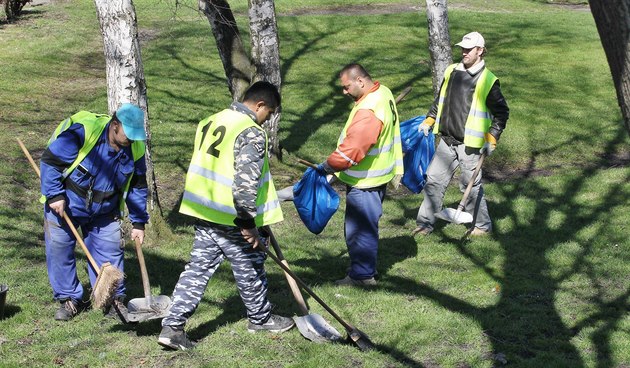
(108,277)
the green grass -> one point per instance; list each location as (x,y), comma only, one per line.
(549,289)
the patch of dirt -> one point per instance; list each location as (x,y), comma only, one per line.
(576,7)
(370,9)
(606,161)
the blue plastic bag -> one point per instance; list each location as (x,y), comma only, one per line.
(419,151)
(315,200)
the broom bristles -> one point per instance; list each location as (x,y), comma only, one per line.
(108,280)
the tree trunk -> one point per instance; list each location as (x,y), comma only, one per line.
(236,63)
(613,24)
(266,57)
(125,74)
(439,41)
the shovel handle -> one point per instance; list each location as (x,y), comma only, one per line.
(64,215)
(292,284)
(143,271)
(462,203)
(306,163)
(403,94)
(310,292)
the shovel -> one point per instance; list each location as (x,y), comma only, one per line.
(149,307)
(355,336)
(312,326)
(458,216)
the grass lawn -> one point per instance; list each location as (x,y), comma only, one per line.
(550,288)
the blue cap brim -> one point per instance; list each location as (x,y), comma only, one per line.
(134,134)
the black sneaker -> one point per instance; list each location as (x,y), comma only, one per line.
(117,310)
(68,309)
(175,338)
(275,324)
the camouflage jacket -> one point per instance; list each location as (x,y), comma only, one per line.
(249,153)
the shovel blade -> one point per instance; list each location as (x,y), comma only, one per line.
(454,216)
(140,310)
(315,328)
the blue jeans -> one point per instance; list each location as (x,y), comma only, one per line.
(363,211)
(102,238)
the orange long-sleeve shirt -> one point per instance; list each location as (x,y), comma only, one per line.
(361,135)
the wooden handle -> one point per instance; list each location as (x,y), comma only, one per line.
(462,203)
(403,94)
(310,291)
(143,271)
(64,215)
(306,163)
(292,284)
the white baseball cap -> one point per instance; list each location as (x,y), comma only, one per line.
(472,39)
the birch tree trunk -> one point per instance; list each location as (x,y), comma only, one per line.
(238,66)
(266,57)
(125,74)
(439,41)
(613,24)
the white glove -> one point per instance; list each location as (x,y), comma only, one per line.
(426,125)
(424,128)
(488,148)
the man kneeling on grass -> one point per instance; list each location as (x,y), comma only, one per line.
(228,176)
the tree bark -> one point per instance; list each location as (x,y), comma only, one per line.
(238,67)
(266,57)
(125,73)
(439,41)
(613,24)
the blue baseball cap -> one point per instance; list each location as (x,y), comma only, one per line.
(132,119)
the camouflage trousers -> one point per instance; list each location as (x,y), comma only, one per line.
(211,246)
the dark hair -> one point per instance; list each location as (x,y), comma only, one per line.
(355,70)
(263,91)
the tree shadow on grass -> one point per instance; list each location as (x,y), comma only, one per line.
(526,324)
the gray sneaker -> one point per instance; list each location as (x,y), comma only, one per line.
(422,230)
(349,281)
(175,338)
(275,324)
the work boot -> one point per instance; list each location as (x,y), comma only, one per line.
(174,337)
(68,309)
(480,232)
(117,310)
(275,324)
(423,230)
(349,281)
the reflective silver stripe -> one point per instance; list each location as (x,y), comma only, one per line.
(346,157)
(441,99)
(369,173)
(208,203)
(399,163)
(266,207)
(474,133)
(479,114)
(376,151)
(264,179)
(209,174)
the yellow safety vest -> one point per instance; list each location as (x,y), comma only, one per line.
(384,160)
(93,127)
(479,118)
(208,190)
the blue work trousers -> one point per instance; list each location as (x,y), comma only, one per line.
(364,208)
(102,238)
